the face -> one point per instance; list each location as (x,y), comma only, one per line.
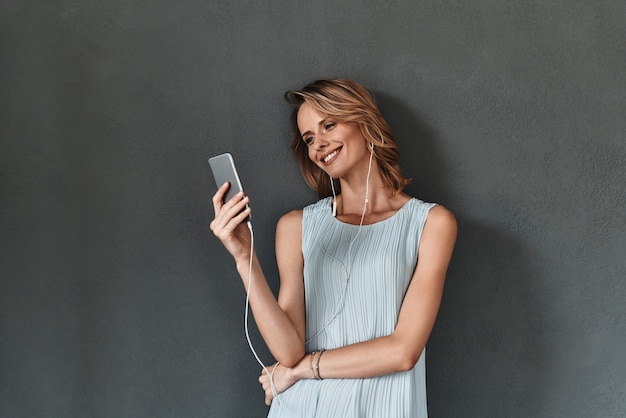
(335,147)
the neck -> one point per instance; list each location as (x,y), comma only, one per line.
(359,186)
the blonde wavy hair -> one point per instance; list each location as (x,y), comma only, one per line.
(348,102)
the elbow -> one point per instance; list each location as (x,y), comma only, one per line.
(408,358)
(290,362)
(291,358)
(407,364)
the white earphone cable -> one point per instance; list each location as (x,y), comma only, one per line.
(256,356)
(349,268)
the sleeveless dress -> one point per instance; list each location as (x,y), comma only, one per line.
(355,280)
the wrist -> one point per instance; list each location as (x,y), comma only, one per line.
(243,264)
(303,369)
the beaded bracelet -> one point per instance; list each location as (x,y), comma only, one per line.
(317,365)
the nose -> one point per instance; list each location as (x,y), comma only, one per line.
(320,142)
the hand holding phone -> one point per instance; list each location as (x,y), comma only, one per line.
(223,169)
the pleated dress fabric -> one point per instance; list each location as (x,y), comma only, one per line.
(355,280)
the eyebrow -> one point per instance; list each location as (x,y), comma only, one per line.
(320,123)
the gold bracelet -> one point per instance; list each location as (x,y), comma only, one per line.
(317,365)
(312,371)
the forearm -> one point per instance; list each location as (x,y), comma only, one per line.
(372,358)
(279,333)
(381,356)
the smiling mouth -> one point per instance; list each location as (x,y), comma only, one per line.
(330,156)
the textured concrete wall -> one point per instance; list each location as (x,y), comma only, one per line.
(115,300)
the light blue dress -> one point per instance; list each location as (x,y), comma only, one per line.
(355,281)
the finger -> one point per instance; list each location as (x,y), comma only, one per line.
(235,204)
(236,214)
(242,215)
(229,212)
(218,197)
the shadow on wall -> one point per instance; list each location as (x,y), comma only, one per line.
(487,344)
(420,157)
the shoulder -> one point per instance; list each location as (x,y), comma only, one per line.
(290,222)
(441,224)
(441,216)
(431,218)
(437,243)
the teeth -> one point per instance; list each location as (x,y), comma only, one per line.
(330,156)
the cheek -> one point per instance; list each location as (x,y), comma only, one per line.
(311,153)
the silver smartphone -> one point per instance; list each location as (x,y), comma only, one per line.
(223,168)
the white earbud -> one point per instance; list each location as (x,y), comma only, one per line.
(332,185)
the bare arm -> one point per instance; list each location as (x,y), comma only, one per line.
(281,323)
(402,349)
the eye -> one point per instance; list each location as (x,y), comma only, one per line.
(329,126)
(308,140)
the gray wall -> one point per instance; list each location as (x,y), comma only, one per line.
(116,300)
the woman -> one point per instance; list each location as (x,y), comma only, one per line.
(361,271)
